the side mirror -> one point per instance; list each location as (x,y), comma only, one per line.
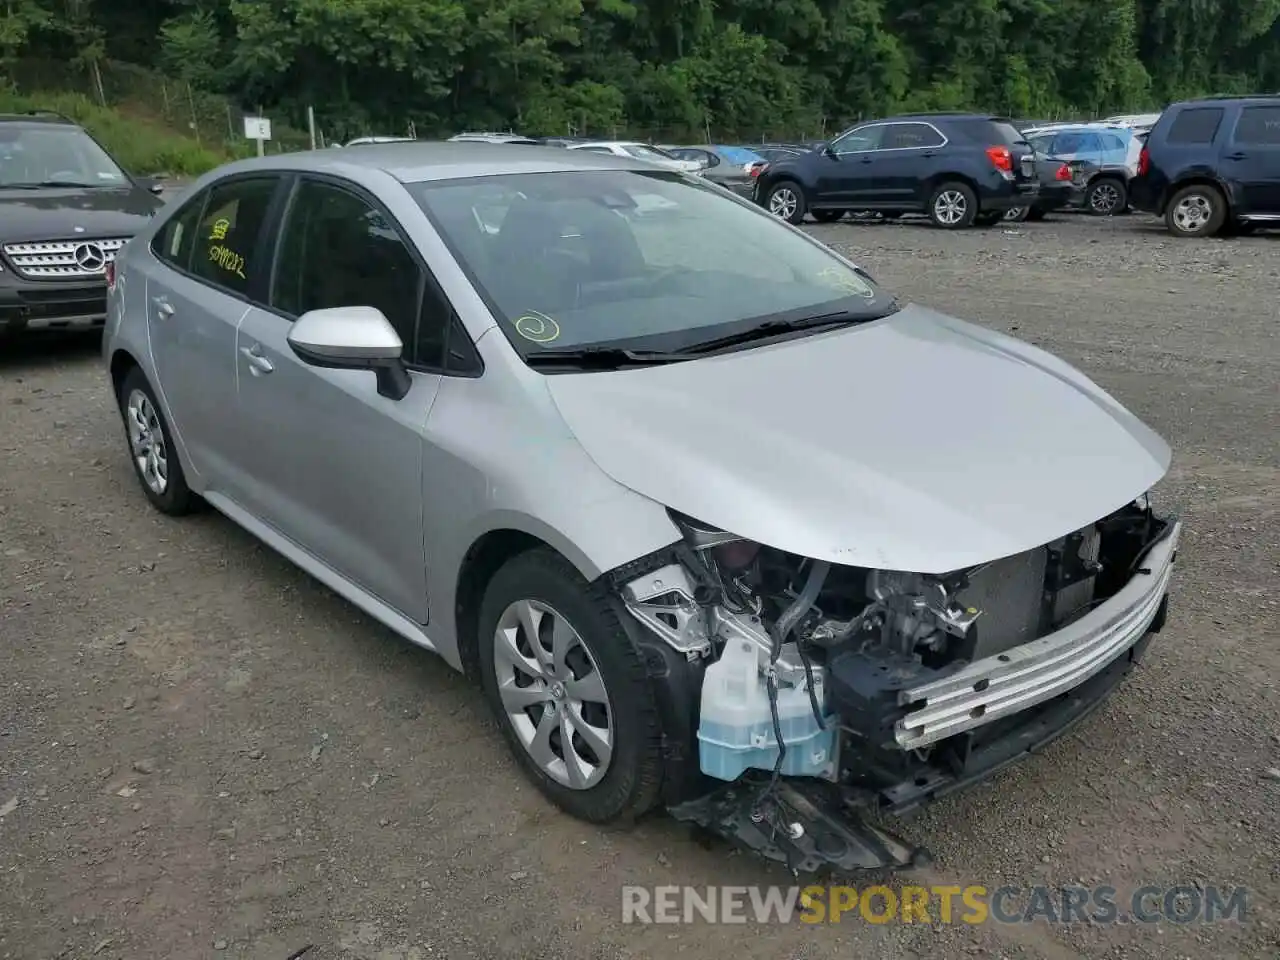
(156,188)
(353,338)
(826,151)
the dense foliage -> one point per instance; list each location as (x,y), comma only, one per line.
(665,66)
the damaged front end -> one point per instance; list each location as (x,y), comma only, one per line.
(828,696)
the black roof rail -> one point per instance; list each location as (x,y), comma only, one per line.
(1234,96)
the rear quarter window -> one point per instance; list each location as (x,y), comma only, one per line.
(989,132)
(1196,125)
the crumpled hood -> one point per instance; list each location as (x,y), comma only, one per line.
(64,213)
(918,443)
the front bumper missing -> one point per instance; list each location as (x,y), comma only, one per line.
(809,825)
(1034,672)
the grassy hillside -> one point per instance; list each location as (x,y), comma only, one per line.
(151,123)
(140,145)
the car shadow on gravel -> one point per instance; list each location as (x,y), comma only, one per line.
(38,350)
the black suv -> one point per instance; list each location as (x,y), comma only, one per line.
(66,209)
(958,168)
(1212,163)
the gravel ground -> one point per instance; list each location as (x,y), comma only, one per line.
(204,753)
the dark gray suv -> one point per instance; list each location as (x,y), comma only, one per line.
(66,209)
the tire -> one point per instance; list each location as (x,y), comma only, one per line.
(552,593)
(1017,214)
(1199,210)
(1036,215)
(828,216)
(155,461)
(786,201)
(1106,197)
(953,206)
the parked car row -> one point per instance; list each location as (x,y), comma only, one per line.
(1205,166)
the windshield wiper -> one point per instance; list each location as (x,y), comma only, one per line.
(46,184)
(772,328)
(603,358)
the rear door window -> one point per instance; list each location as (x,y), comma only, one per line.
(911,136)
(1196,125)
(1259,125)
(227,233)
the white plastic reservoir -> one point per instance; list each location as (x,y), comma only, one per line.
(735,731)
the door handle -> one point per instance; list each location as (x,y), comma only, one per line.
(1237,156)
(163,306)
(866,159)
(258,364)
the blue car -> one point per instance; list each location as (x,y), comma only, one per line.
(1108,156)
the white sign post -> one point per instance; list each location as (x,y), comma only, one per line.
(259,129)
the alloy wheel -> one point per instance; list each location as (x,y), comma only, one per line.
(1192,213)
(1104,199)
(782,203)
(1014,213)
(950,207)
(553,694)
(147,442)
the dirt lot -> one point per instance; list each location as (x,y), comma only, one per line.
(204,753)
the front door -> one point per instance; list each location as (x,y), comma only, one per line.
(844,168)
(196,294)
(333,466)
(1251,160)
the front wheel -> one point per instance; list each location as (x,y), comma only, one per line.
(786,201)
(1106,197)
(953,206)
(1196,211)
(568,690)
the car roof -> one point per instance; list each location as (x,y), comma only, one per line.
(38,119)
(422,161)
(1259,99)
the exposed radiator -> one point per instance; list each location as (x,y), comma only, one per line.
(1010,594)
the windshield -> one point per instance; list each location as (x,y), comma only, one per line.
(641,260)
(739,155)
(642,152)
(31,155)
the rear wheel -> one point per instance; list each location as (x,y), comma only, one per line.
(1106,197)
(828,216)
(953,206)
(1196,211)
(786,201)
(1017,214)
(155,462)
(569,690)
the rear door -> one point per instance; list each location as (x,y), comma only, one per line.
(197,288)
(1251,160)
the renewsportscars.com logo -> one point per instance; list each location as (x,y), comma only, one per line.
(972,904)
